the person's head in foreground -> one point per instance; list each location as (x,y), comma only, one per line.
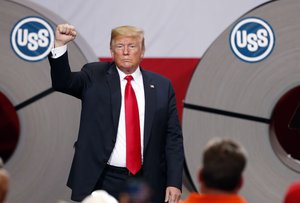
(4,182)
(222,166)
(99,196)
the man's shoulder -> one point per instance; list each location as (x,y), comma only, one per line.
(98,67)
(153,75)
(98,64)
(205,198)
(192,198)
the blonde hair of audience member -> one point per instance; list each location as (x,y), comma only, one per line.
(223,164)
(99,196)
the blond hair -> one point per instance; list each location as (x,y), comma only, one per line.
(127,31)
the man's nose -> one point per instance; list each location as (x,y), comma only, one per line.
(126,50)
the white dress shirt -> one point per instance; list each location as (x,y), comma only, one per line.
(118,156)
(58,51)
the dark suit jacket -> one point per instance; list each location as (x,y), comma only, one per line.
(98,87)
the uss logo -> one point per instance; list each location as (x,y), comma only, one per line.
(252,39)
(32,38)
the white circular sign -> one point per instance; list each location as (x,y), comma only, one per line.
(252,39)
(32,38)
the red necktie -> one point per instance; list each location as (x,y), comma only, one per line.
(132,125)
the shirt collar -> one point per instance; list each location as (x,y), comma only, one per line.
(137,74)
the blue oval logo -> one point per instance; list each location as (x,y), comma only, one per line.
(252,39)
(32,38)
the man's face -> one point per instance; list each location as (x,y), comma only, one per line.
(127,53)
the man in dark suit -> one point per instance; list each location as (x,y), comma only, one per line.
(102,157)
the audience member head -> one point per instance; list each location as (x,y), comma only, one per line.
(293,193)
(222,166)
(4,182)
(135,191)
(99,196)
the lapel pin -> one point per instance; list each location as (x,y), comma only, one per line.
(151,86)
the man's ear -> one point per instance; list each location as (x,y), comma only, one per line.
(112,54)
(200,176)
(240,184)
(142,55)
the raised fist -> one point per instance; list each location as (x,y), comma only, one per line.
(64,33)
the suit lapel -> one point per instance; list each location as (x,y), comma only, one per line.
(150,102)
(113,81)
(115,92)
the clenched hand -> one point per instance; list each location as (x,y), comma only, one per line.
(64,33)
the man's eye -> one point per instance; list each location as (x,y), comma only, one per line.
(119,46)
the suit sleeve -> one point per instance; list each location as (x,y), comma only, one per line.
(174,144)
(66,81)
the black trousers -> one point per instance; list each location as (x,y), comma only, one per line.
(113,180)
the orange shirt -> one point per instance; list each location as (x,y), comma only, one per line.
(204,198)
